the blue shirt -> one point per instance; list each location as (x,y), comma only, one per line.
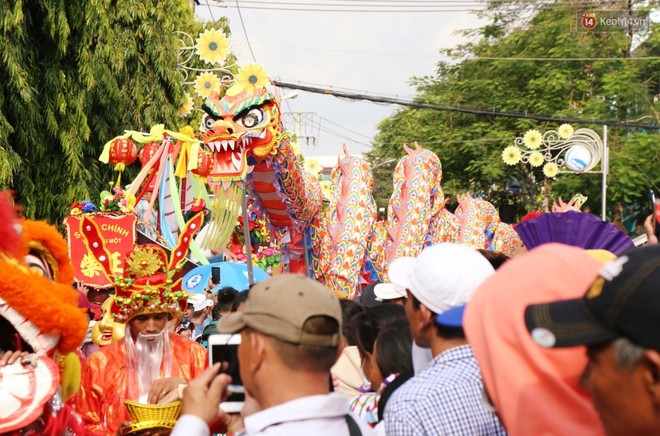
(446,398)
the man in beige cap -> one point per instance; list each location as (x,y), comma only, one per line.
(290,330)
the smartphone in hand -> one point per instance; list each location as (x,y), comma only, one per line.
(224,348)
(215,275)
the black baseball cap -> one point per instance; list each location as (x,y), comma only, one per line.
(624,301)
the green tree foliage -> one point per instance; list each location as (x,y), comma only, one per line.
(481,75)
(73,76)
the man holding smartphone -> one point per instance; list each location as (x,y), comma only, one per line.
(290,330)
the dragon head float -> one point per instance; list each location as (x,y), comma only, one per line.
(242,127)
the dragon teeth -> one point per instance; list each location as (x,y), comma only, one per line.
(236,160)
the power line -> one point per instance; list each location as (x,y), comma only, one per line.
(240,16)
(491,58)
(345,128)
(481,112)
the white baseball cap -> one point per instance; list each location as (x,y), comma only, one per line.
(443,278)
(389,291)
(199,302)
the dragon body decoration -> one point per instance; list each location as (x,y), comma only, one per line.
(244,148)
(244,133)
(479,226)
(339,240)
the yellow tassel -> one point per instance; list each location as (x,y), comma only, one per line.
(118,180)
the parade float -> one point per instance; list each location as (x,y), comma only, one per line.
(266,207)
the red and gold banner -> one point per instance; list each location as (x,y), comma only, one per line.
(118,231)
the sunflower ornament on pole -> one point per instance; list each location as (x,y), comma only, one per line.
(564,150)
(212,48)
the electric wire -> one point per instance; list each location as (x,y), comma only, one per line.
(479,112)
(240,16)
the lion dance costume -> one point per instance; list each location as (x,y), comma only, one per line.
(40,318)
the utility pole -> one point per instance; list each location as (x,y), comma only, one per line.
(297,123)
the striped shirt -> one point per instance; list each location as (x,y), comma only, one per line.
(446,398)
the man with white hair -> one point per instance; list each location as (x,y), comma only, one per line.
(446,398)
(150,363)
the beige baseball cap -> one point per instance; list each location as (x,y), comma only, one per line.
(279,306)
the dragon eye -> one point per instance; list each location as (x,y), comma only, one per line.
(208,121)
(252,118)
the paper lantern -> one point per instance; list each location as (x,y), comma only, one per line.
(123,152)
(147,152)
(204,163)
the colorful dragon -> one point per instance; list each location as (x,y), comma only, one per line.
(244,133)
(245,148)
(339,240)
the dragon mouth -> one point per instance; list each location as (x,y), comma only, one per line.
(19,334)
(229,158)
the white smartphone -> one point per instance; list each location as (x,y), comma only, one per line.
(224,348)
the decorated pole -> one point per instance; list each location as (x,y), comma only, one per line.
(246,236)
(605,167)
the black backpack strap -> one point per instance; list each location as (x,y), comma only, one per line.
(353,427)
(388,391)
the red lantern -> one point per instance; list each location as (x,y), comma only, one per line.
(123,152)
(147,152)
(204,163)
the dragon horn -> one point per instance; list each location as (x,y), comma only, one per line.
(407,149)
(417,146)
(345,150)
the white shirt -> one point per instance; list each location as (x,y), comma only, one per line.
(316,415)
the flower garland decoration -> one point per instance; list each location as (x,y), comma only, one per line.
(565,131)
(532,139)
(556,150)
(206,84)
(81,207)
(536,159)
(550,170)
(186,107)
(267,258)
(117,201)
(327,189)
(252,76)
(312,166)
(511,155)
(212,46)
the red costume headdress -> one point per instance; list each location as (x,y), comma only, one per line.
(147,284)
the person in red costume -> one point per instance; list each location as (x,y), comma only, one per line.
(150,364)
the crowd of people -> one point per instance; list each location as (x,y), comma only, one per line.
(556,340)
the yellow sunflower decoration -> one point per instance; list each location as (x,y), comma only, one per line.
(511,155)
(206,84)
(532,139)
(186,107)
(312,166)
(550,169)
(536,159)
(252,76)
(327,189)
(565,131)
(212,46)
